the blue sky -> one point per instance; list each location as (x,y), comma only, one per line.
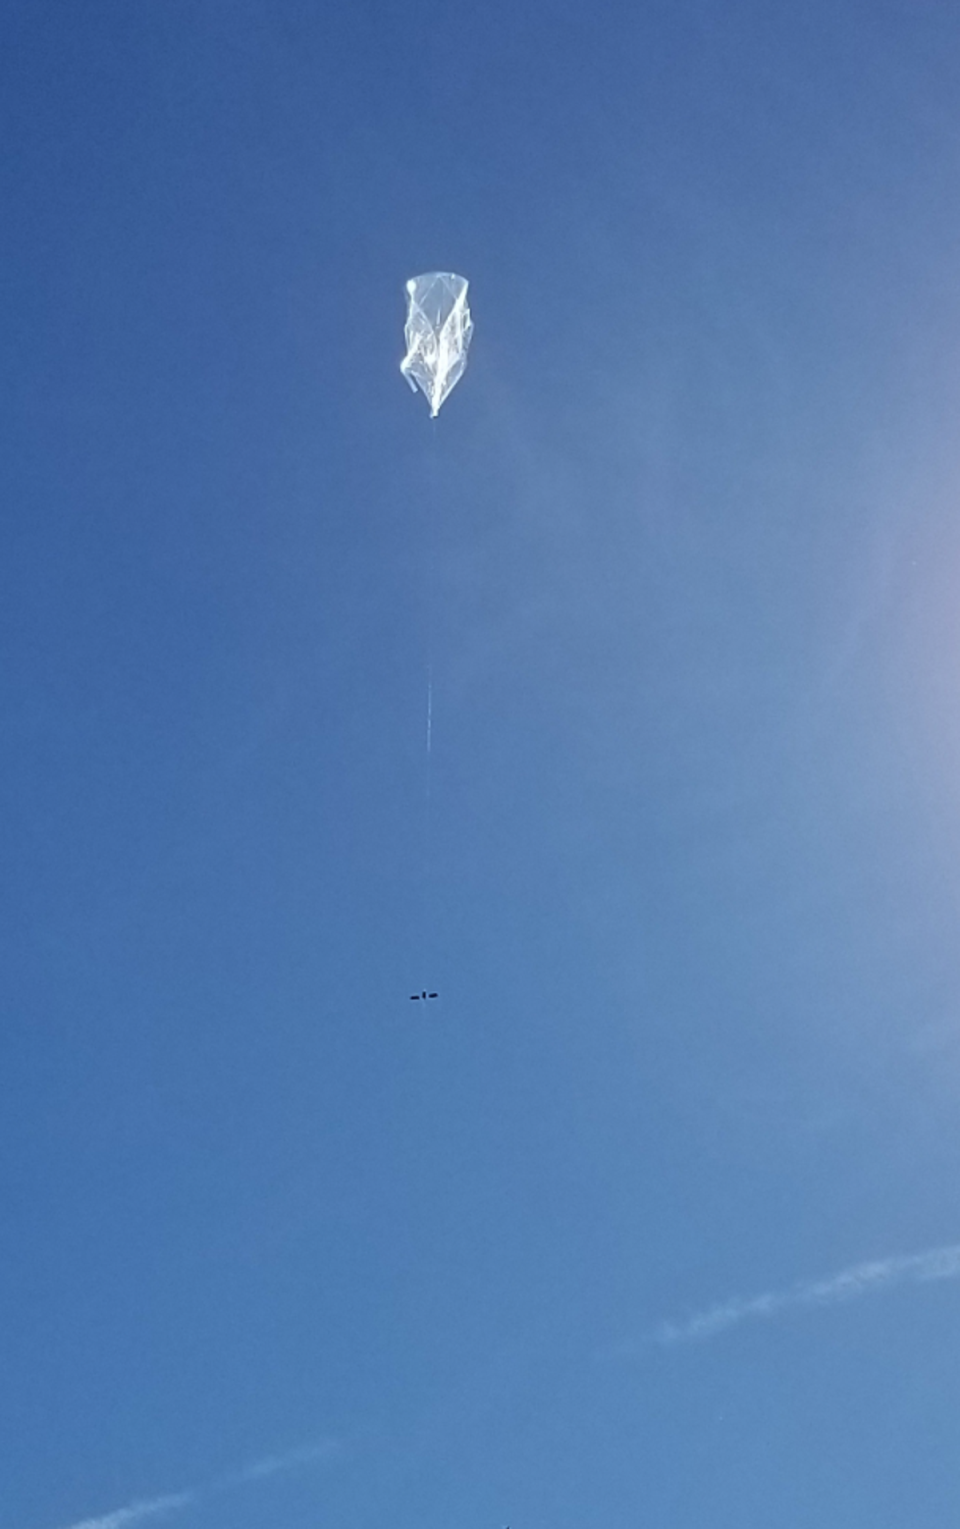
(644,1222)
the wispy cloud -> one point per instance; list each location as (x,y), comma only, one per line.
(173,1502)
(848,1285)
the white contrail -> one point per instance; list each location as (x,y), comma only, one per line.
(271,1465)
(149,1507)
(172,1502)
(859,1279)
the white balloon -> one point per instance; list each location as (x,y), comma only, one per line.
(437,333)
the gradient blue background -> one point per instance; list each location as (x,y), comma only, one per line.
(686,538)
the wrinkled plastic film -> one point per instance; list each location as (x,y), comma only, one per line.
(437,335)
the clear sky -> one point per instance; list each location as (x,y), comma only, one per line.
(642,1223)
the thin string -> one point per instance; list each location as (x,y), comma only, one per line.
(428,938)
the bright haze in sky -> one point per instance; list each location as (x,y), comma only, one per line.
(650,1218)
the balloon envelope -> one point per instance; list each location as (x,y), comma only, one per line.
(437,334)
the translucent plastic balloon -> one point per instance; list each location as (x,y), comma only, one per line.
(437,333)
